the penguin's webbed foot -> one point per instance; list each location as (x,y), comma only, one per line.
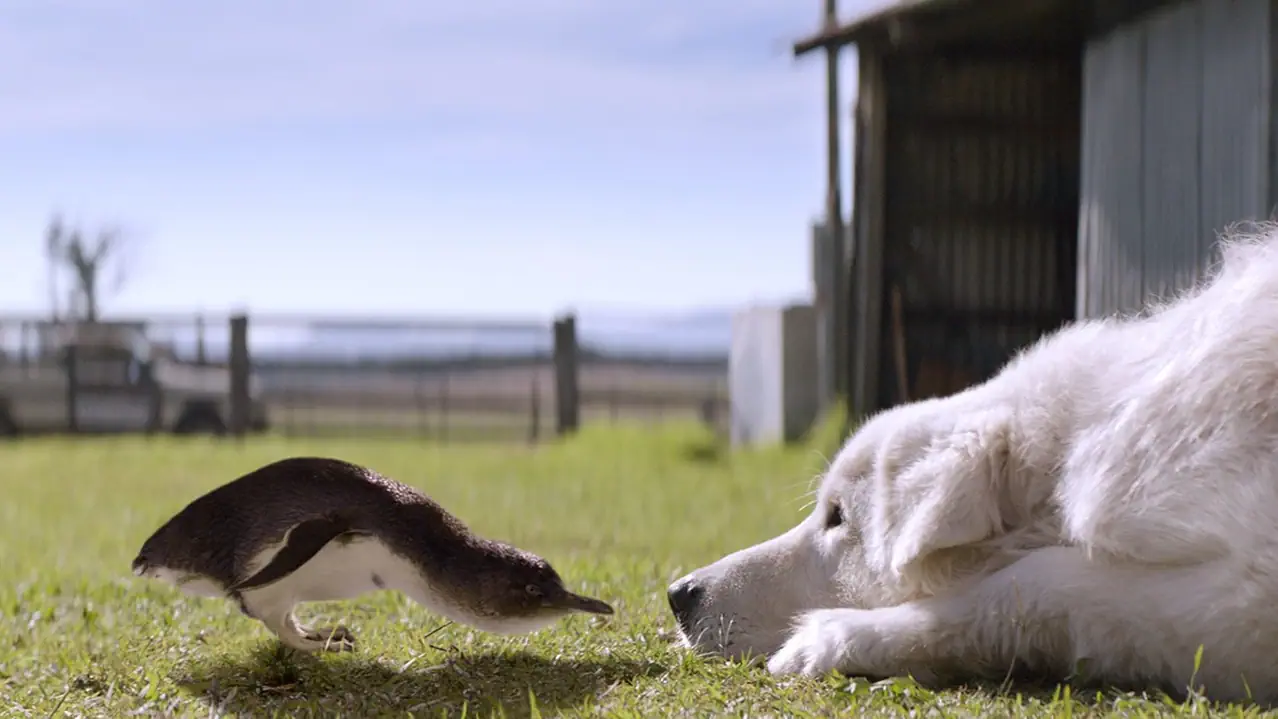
(330,639)
(295,635)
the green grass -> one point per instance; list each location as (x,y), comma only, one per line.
(620,512)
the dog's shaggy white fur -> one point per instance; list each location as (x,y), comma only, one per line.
(1105,505)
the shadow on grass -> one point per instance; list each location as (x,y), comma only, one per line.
(708,452)
(274,681)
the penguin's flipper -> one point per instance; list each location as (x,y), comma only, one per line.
(301,543)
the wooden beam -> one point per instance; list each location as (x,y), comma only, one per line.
(868,211)
(883,20)
(834,207)
(923,23)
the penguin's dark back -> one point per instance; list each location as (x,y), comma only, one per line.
(219,532)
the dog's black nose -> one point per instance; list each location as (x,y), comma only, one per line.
(684,596)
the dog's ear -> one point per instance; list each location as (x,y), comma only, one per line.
(956,486)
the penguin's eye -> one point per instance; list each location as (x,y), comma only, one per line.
(533,590)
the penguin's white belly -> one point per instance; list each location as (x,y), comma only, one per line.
(341,570)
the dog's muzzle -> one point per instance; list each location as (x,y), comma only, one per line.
(685,597)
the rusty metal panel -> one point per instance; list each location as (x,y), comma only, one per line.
(1176,109)
(981,194)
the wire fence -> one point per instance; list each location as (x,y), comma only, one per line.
(433,378)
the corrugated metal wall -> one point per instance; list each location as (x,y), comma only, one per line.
(1176,142)
(980,212)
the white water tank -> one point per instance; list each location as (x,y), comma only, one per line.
(772,374)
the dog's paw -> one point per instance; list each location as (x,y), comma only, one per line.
(818,645)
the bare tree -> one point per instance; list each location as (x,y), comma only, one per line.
(52,240)
(87,261)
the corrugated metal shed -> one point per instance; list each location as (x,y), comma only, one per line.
(1022,162)
(1177,147)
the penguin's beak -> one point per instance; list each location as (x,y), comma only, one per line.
(579,603)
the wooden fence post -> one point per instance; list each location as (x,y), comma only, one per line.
(24,349)
(155,398)
(567,396)
(419,402)
(710,411)
(534,428)
(73,387)
(443,408)
(240,368)
(201,353)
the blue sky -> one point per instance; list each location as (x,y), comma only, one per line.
(509,157)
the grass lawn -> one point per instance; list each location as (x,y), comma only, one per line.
(620,512)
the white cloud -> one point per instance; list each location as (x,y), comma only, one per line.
(81,64)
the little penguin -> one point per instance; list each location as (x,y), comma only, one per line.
(306,529)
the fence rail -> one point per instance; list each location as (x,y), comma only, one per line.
(446,379)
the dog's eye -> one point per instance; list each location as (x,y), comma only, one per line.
(833,516)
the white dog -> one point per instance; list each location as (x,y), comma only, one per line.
(1105,505)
